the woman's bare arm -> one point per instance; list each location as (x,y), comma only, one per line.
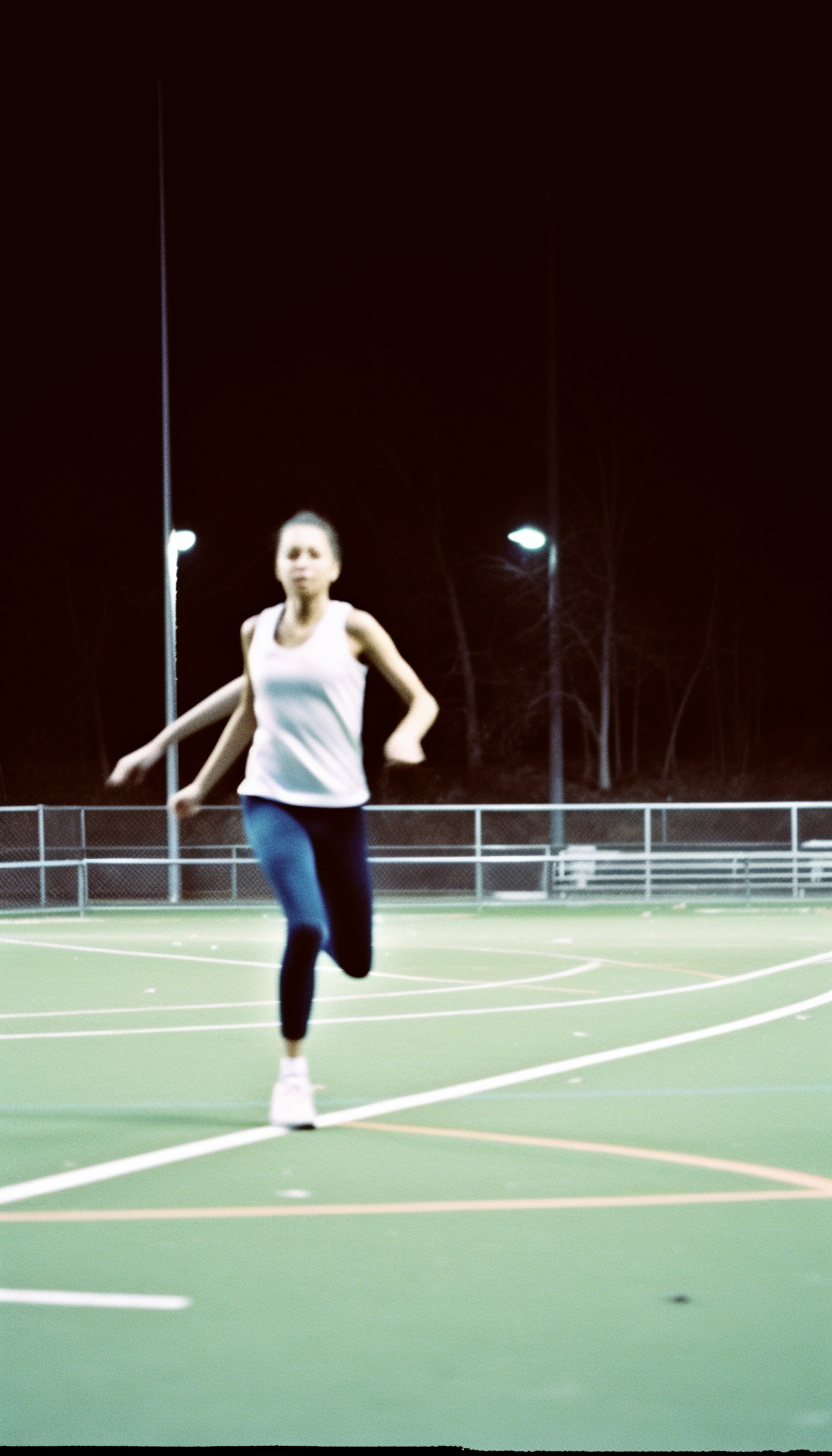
(235,737)
(133,767)
(404,746)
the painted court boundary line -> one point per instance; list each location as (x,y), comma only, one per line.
(356,996)
(815,1181)
(602,960)
(809,1185)
(161,955)
(511,1079)
(459,1205)
(99,1172)
(150,955)
(93,1301)
(270,1025)
(428,1015)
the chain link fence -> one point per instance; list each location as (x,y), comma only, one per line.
(58,856)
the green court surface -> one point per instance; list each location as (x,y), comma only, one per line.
(626,1249)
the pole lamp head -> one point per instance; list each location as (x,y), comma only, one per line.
(529,538)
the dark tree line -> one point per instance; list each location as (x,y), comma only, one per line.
(662,676)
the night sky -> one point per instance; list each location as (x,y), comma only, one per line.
(357,263)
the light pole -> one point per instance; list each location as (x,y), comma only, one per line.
(174,542)
(177,542)
(531,539)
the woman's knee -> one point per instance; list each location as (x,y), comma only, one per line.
(304,938)
(357,964)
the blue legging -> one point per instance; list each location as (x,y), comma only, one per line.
(316,862)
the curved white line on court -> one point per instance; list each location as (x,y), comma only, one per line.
(595,1000)
(160,955)
(99,1172)
(355,996)
(424,1015)
(602,960)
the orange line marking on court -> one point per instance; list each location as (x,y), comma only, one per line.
(809,1185)
(677,970)
(693,1160)
(481,1205)
(564,955)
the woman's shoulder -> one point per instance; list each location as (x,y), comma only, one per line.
(260,619)
(355,618)
(358,622)
(366,632)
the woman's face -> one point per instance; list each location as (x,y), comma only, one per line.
(305,564)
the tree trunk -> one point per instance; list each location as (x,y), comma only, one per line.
(670,756)
(616,725)
(719,725)
(98,720)
(636,695)
(473,735)
(604,778)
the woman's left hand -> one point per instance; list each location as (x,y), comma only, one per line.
(403,748)
(186,802)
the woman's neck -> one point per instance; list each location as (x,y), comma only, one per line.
(305,610)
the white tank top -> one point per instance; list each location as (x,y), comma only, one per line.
(308,702)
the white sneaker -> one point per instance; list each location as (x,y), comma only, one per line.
(292,1103)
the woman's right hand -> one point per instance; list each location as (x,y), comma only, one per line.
(133,767)
(186,802)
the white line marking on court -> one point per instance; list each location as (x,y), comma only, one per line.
(386,975)
(425,1015)
(399,976)
(139,1163)
(562,955)
(52,920)
(716,985)
(136,1010)
(270,1025)
(466,985)
(153,955)
(78,1177)
(509,1079)
(93,1301)
(158,955)
(356,996)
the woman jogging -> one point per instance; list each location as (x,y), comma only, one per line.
(300,700)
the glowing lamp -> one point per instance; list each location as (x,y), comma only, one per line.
(528,537)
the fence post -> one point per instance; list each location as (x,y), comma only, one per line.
(174,866)
(478,854)
(795,873)
(42,855)
(648,867)
(83,888)
(233,871)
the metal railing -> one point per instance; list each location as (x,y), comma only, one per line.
(55,856)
